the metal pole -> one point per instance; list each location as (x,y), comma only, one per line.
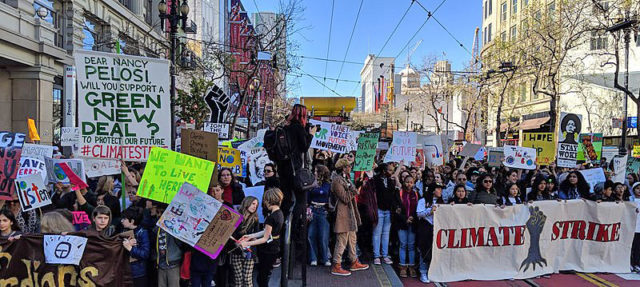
(627,39)
(173,21)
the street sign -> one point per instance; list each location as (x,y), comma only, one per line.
(632,122)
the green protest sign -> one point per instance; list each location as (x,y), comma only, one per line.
(366,152)
(167,170)
(590,147)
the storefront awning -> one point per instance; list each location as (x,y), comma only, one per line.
(530,124)
(329,106)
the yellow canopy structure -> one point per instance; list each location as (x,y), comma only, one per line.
(329,106)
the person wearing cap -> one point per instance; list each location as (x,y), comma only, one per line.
(347,219)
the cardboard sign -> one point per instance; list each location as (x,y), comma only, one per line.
(519,157)
(10,152)
(332,137)
(433,151)
(619,168)
(220,129)
(568,132)
(200,144)
(32,192)
(403,147)
(218,232)
(167,170)
(76,181)
(123,105)
(590,147)
(470,150)
(37,151)
(80,217)
(257,159)
(69,136)
(33,131)
(100,167)
(593,176)
(495,157)
(366,151)
(56,174)
(30,166)
(64,249)
(230,158)
(543,143)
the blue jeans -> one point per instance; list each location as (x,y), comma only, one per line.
(381,233)
(407,239)
(319,235)
(201,279)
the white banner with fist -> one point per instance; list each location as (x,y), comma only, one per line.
(484,242)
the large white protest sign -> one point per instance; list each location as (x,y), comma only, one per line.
(100,167)
(56,174)
(69,136)
(30,166)
(619,168)
(254,143)
(593,176)
(568,132)
(519,157)
(332,137)
(123,105)
(64,249)
(219,128)
(403,147)
(32,192)
(481,242)
(433,152)
(37,151)
(608,152)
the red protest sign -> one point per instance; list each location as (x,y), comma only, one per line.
(74,179)
(10,152)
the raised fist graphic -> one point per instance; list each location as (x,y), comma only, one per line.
(218,103)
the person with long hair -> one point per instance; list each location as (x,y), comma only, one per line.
(425,210)
(232,194)
(484,191)
(621,192)
(405,219)
(243,260)
(384,187)
(347,219)
(56,222)
(8,225)
(268,240)
(319,224)
(101,217)
(552,186)
(574,186)
(539,190)
(460,194)
(513,194)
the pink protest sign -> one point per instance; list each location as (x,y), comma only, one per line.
(80,217)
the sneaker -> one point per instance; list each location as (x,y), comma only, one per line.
(377,261)
(277,264)
(327,264)
(356,266)
(337,270)
(314,263)
(387,260)
(424,278)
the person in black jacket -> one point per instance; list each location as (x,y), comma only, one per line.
(385,192)
(232,191)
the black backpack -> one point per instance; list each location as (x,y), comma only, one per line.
(276,142)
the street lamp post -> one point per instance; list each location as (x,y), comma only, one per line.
(174,18)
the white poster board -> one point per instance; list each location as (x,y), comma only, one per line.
(433,152)
(100,167)
(123,105)
(593,176)
(619,168)
(70,136)
(403,147)
(64,249)
(219,128)
(32,192)
(56,174)
(519,157)
(568,135)
(30,166)
(37,151)
(329,136)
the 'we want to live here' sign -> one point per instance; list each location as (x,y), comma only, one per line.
(123,105)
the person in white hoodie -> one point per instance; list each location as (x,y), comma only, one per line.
(635,247)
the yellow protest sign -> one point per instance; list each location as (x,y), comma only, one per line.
(543,143)
(167,170)
(33,131)
(636,151)
(230,158)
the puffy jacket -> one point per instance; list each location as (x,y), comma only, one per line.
(174,251)
(140,253)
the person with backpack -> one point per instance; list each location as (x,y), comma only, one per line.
(319,225)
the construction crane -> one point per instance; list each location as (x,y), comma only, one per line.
(475,57)
(412,51)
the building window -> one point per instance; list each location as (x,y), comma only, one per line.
(598,41)
(514,32)
(523,93)
(485,35)
(94,37)
(524,28)
(552,9)
(486,9)
(503,36)
(504,11)
(514,7)
(490,7)
(525,3)
(57,109)
(127,3)
(489,35)
(53,17)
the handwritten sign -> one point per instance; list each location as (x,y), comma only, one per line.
(10,151)
(257,159)
(590,147)
(593,176)
(80,217)
(433,152)
(76,181)
(37,151)
(56,174)
(470,150)
(403,147)
(222,130)
(32,192)
(352,144)
(100,167)
(218,232)
(230,158)
(519,157)
(64,249)
(619,168)
(30,166)
(332,137)
(608,152)
(366,151)
(69,136)
(543,143)
(495,156)
(167,170)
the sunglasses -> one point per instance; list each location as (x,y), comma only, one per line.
(268,171)
(487,181)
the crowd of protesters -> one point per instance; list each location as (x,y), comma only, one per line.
(382,216)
